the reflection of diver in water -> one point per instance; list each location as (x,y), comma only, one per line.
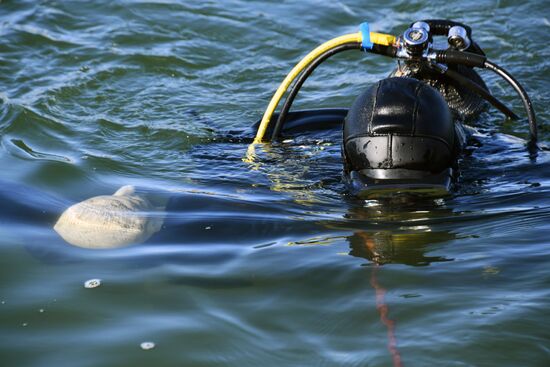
(396,231)
(403,248)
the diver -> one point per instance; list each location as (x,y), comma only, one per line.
(404,134)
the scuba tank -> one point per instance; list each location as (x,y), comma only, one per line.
(405,132)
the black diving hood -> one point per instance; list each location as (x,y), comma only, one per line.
(399,135)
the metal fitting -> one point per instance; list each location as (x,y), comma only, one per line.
(421,25)
(458,38)
(415,41)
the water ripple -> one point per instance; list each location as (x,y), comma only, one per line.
(272,263)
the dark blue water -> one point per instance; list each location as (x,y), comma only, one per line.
(270,263)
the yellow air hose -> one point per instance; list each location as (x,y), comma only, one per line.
(353,37)
(377,38)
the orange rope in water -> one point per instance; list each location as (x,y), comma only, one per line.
(383,309)
(381,305)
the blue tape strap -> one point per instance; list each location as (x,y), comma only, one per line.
(365,31)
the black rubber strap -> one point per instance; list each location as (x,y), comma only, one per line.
(440,27)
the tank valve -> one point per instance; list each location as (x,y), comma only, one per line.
(416,40)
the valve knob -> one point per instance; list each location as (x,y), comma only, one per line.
(416,40)
(458,38)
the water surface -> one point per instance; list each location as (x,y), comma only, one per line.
(271,264)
